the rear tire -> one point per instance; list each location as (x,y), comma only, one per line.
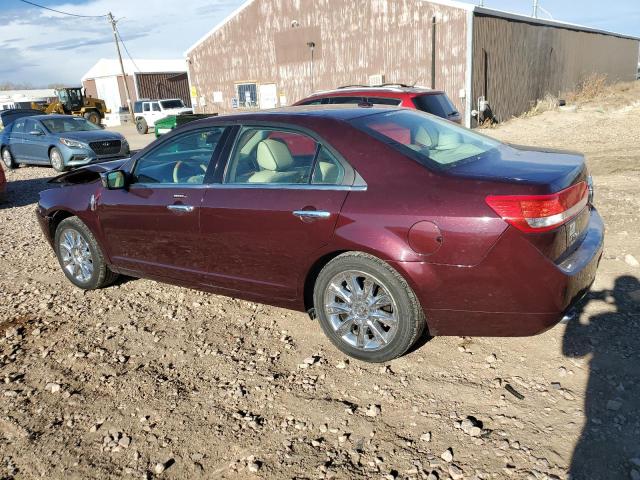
(93,117)
(57,161)
(80,256)
(376,317)
(141,126)
(7,159)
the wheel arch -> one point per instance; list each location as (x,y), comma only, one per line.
(57,217)
(312,276)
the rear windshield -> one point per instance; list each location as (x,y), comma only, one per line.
(172,104)
(429,140)
(439,105)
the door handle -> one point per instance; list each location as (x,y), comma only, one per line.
(311,214)
(180,208)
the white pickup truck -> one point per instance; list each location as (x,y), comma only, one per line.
(147,112)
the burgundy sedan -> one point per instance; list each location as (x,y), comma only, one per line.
(380,222)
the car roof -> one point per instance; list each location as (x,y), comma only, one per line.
(335,112)
(388,89)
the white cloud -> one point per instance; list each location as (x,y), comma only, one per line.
(41,47)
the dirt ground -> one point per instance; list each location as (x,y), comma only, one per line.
(147,380)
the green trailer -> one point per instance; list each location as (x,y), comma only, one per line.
(167,124)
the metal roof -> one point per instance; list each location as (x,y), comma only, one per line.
(469,7)
(108,67)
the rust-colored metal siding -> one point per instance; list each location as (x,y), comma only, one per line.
(90,88)
(164,85)
(266,43)
(525,61)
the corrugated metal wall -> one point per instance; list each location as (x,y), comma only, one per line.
(164,85)
(266,43)
(90,88)
(516,63)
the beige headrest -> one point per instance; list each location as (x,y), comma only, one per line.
(273,155)
(423,138)
(448,140)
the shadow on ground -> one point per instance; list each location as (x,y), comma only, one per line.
(610,440)
(24,192)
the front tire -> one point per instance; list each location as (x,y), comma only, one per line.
(93,117)
(80,256)
(57,162)
(141,126)
(7,159)
(366,308)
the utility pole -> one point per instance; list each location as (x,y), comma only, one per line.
(113,22)
(535,9)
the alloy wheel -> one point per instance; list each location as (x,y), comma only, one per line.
(361,310)
(6,158)
(75,255)
(56,160)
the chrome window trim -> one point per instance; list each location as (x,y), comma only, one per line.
(253,186)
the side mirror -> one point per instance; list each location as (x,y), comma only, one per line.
(114,180)
(37,133)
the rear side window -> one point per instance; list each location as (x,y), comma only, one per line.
(384,101)
(346,100)
(137,107)
(18,126)
(147,107)
(439,105)
(428,140)
(274,156)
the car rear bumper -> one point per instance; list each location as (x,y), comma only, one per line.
(514,291)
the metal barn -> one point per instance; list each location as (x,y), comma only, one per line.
(271,53)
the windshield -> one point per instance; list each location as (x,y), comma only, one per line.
(70,124)
(425,138)
(439,105)
(172,104)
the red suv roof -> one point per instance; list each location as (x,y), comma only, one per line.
(425,99)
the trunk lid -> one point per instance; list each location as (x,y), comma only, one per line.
(522,171)
(546,170)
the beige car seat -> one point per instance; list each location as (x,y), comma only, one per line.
(275,160)
(328,173)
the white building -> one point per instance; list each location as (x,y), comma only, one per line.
(145,78)
(23,98)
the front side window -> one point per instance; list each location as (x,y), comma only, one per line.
(155,107)
(428,139)
(247,95)
(32,126)
(181,160)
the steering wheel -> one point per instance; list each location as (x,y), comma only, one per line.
(176,170)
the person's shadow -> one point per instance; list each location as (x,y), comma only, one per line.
(610,440)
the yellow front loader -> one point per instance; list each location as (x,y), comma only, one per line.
(72,101)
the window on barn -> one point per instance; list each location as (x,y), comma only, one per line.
(247,95)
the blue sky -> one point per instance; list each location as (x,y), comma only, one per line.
(40,47)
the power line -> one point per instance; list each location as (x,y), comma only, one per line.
(61,12)
(127,50)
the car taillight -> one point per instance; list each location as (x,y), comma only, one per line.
(540,213)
